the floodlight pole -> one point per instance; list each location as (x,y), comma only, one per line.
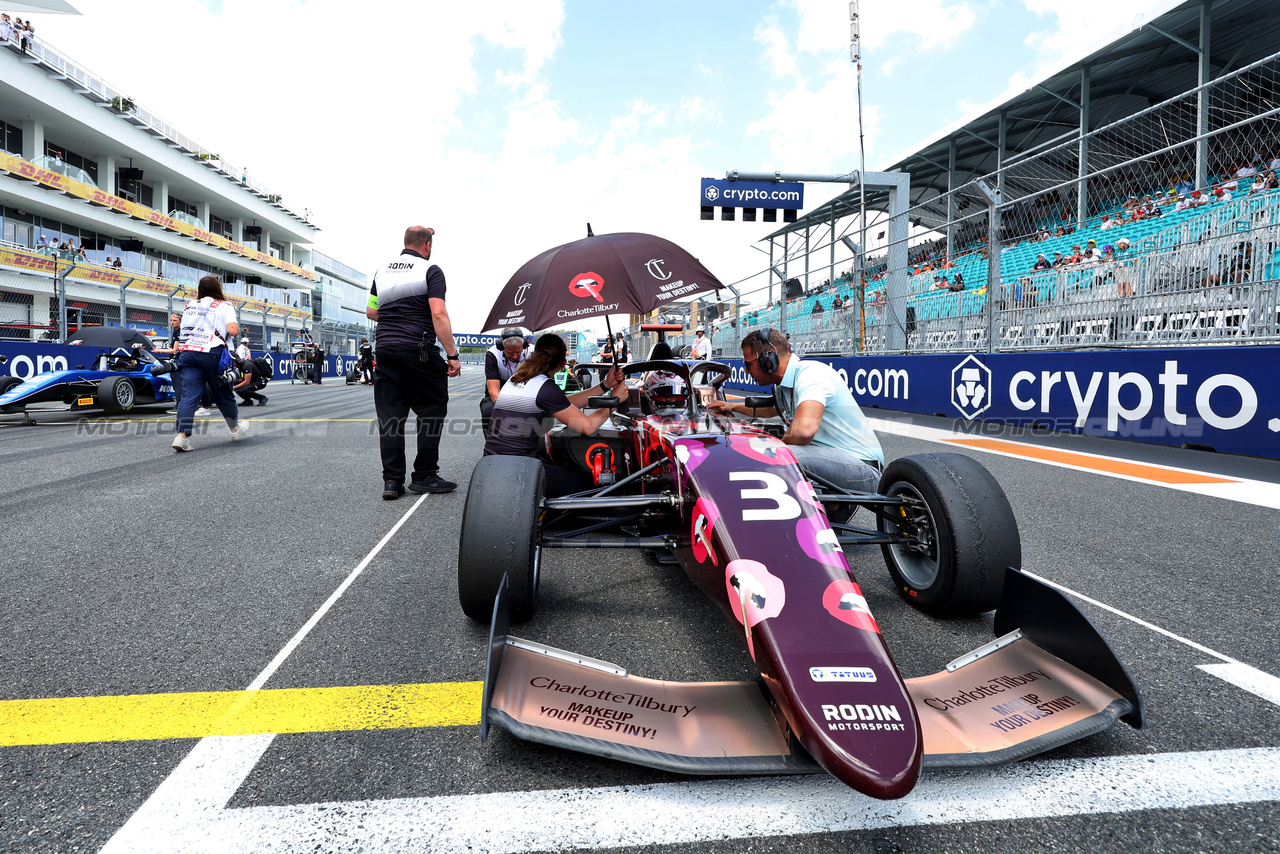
(855,52)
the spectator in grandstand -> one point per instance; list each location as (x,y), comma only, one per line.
(1273,183)
(817,307)
(838,303)
(1091,253)
(1259,183)
(1222,194)
(1246,170)
(957,284)
(6,28)
(1059,260)
(1042,263)
(1130,203)
(119,262)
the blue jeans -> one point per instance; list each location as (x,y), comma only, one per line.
(839,467)
(195,371)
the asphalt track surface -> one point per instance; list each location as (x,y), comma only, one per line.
(127,569)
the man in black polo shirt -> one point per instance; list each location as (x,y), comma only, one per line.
(406,300)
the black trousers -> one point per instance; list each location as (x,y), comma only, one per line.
(405,383)
(250,392)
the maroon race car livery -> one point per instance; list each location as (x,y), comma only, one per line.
(726,501)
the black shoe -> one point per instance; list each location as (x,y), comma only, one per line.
(436,484)
(246,403)
(262,401)
(392,490)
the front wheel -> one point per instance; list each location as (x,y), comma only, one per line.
(961,529)
(500,535)
(116,394)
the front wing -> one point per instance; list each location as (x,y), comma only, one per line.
(1008,700)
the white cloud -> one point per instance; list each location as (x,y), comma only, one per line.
(362,118)
(816,130)
(777,49)
(1073,27)
(913,24)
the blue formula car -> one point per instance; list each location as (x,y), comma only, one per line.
(118,378)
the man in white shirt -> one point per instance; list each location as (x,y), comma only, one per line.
(701,345)
(828,434)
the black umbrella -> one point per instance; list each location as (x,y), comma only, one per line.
(624,273)
(108,336)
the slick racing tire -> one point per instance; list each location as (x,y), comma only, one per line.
(7,383)
(116,394)
(500,535)
(962,529)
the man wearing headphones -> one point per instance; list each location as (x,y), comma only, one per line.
(828,434)
(500,362)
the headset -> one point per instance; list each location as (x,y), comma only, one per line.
(768,356)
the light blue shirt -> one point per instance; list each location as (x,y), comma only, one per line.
(843,426)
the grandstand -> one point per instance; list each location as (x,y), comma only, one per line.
(1188,103)
(110,215)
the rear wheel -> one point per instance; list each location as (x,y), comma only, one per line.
(499,536)
(116,394)
(962,531)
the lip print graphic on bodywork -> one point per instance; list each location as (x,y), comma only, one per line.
(765,449)
(820,542)
(705,516)
(752,582)
(808,495)
(843,600)
(755,594)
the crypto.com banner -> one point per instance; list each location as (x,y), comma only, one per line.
(1226,398)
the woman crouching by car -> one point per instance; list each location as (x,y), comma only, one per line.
(529,401)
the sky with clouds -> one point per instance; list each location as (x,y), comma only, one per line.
(508,125)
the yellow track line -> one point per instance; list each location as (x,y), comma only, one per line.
(142,717)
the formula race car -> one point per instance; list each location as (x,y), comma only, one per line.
(725,500)
(118,380)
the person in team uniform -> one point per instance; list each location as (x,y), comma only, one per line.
(407,300)
(208,322)
(366,362)
(528,403)
(500,362)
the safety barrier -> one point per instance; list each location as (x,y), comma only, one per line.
(1222,398)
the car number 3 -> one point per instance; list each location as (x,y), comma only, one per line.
(772,488)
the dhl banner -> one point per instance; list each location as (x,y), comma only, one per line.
(17,166)
(52,266)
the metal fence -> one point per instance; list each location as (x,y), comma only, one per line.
(1205,276)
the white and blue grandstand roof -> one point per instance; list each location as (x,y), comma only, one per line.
(1157,57)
